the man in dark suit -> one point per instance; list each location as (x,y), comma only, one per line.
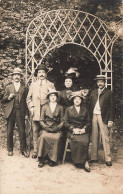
(101,111)
(15,101)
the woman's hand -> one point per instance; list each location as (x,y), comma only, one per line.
(78,131)
(82,131)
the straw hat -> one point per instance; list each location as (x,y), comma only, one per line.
(17,70)
(76,94)
(52,91)
(100,77)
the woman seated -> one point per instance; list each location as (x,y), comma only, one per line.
(77,121)
(52,123)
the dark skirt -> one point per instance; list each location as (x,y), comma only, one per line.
(50,144)
(79,148)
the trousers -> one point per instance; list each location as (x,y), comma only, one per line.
(98,124)
(36,129)
(16,116)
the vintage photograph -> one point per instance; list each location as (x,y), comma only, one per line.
(61,107)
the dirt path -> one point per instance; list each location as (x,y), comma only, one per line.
(19,175)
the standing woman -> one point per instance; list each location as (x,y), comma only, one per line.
(77,121)
(50,138)
(65,94)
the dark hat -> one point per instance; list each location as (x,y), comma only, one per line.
(70,74)
(40,67)
(76,94)
(52,91)
(17,70)
(100,77)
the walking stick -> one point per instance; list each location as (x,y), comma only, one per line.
(29,133)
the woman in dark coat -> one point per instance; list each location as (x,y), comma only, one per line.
(65,94)
(77,121)
(52,123)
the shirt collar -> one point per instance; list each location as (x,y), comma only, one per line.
(16,83)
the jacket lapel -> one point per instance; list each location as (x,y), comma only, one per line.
(12,89)
(50,112)
(103,91)
(21,90)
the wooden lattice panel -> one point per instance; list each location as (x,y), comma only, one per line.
(55,28)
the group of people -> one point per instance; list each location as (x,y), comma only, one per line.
(58,115)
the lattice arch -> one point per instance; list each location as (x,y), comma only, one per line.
(59,27)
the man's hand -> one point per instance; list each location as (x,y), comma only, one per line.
(11,96)
(26,117)
(110,124)
(32,111)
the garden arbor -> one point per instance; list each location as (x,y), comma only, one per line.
(56,28)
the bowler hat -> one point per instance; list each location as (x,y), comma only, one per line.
(40,67)
(17,70)
(52,91)
(100,77)
(76,94)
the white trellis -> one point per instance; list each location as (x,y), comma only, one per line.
(56,28)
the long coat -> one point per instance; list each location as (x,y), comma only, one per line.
(37,97)
(51,120)
(9,103)
(73,119)
(78,143)
(50,142)
(106,104)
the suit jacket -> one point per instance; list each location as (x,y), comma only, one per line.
(37,96)
(52,121)
(9,103)
(106,104)
(73,119)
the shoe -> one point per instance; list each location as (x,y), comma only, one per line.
(109,163)
(86,167)
(10,153)
(34,156)
(78,165)
(41,164)
(93,161)
(24,153)
(51,163)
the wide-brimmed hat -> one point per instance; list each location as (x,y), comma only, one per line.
(40,67)
(17,70)
(76,94)
(100,77)
(52,91)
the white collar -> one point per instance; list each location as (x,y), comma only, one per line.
(16,83)
(77,108)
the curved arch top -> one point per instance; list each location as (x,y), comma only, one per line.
(64,26)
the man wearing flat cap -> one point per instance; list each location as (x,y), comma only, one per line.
(102,114)
(15,101)
(37,97)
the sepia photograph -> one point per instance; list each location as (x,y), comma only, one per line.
(61,106)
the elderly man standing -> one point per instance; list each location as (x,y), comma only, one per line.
(15,101)
(37,97)
(101,109)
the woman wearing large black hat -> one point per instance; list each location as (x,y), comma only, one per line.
(65,94)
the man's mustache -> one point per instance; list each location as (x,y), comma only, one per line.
(41,76)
